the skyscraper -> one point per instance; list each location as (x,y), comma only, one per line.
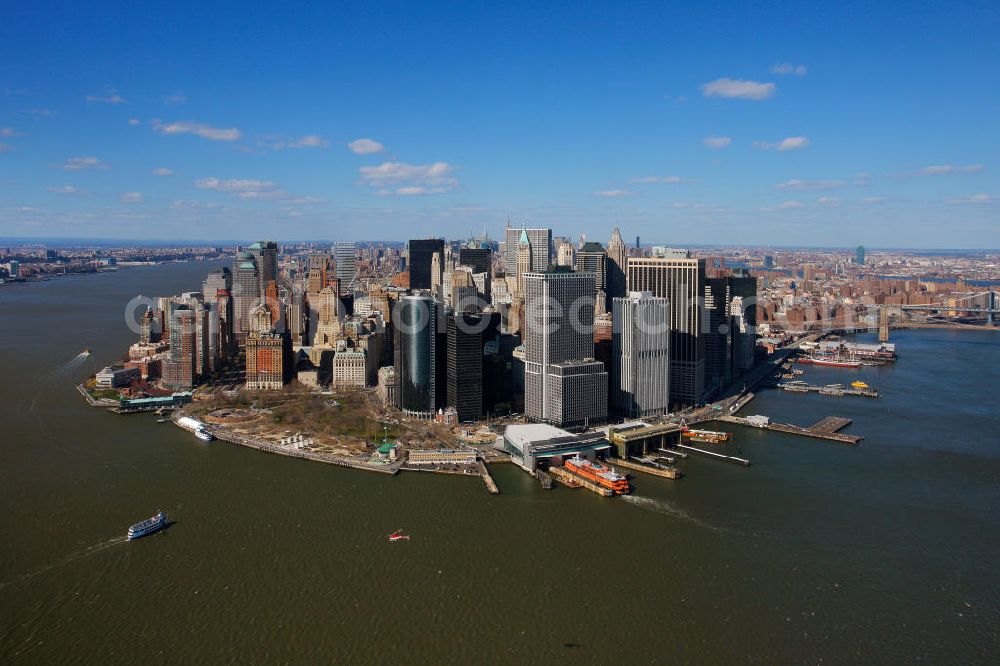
(265,352)
(179,370)
(480,260)
(859,255)
(682,281)
(465,365)
(422,253)
(591,258)
(246,292)
(640,374)
(564,385)
(347,266)
(416,354)
(265,257)
(617,258)
(541,248)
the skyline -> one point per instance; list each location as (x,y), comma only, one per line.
(700,126)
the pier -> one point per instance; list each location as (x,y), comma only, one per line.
(664,471)
(487,479)
(829,390)
(717,456)
(821,430)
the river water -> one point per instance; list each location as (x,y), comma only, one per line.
(818,552)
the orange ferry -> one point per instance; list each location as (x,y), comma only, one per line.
(599,474)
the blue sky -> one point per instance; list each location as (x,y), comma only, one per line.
(780,124)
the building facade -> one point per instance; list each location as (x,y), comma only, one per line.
(540,241)
(640,375)
(681,280)
(564,384)
(416,355)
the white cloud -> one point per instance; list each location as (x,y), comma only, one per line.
(175,99)
(81,163)
(134,121)
(400,178)
(785,68)
(365,146)
(131,197)
(738,89)
(790,204)
(717,141)
(162,171)
(307,141)
(791,143)
(948,169)
(796,184)
(4,148)
(234,185)
(872,200)
(613,194)
(111,98)
(664,180)
(974,199)
(828,201)
(198,129)
(862,178)
(10,132)
(64,189)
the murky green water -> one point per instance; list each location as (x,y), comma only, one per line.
(818,552)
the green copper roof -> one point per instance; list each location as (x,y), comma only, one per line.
(256,246)
(591,246)
(524,237)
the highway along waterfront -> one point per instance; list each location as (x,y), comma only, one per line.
(881,552)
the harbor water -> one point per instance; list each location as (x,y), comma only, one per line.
(884,552)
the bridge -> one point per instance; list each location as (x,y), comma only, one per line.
(986,302)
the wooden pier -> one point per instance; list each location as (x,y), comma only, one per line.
(664,472)
(544,479)
(824,429)
(488,480)
(836,391)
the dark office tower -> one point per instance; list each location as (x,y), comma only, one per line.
(179,371)
(681,280)
(859,255)
(246,293)
(265,256)
(637,243)
(563,383)
(227,340)
(465,365)
(591,258)
(617,258)
(718,335)
(768,261)
(422,253)
(480,259)
(540,241)
(416,336)
(743,311)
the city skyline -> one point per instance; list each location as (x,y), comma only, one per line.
(694,126)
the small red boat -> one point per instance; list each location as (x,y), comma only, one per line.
(399,536)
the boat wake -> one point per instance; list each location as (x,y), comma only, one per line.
(660,506)
(75,557)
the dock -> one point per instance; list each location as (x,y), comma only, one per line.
(664,471)
(544,479)
(837,391)
(825,429)
(717,456)
(487,479)
(566,476)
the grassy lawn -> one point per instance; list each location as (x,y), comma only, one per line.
(103,394)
